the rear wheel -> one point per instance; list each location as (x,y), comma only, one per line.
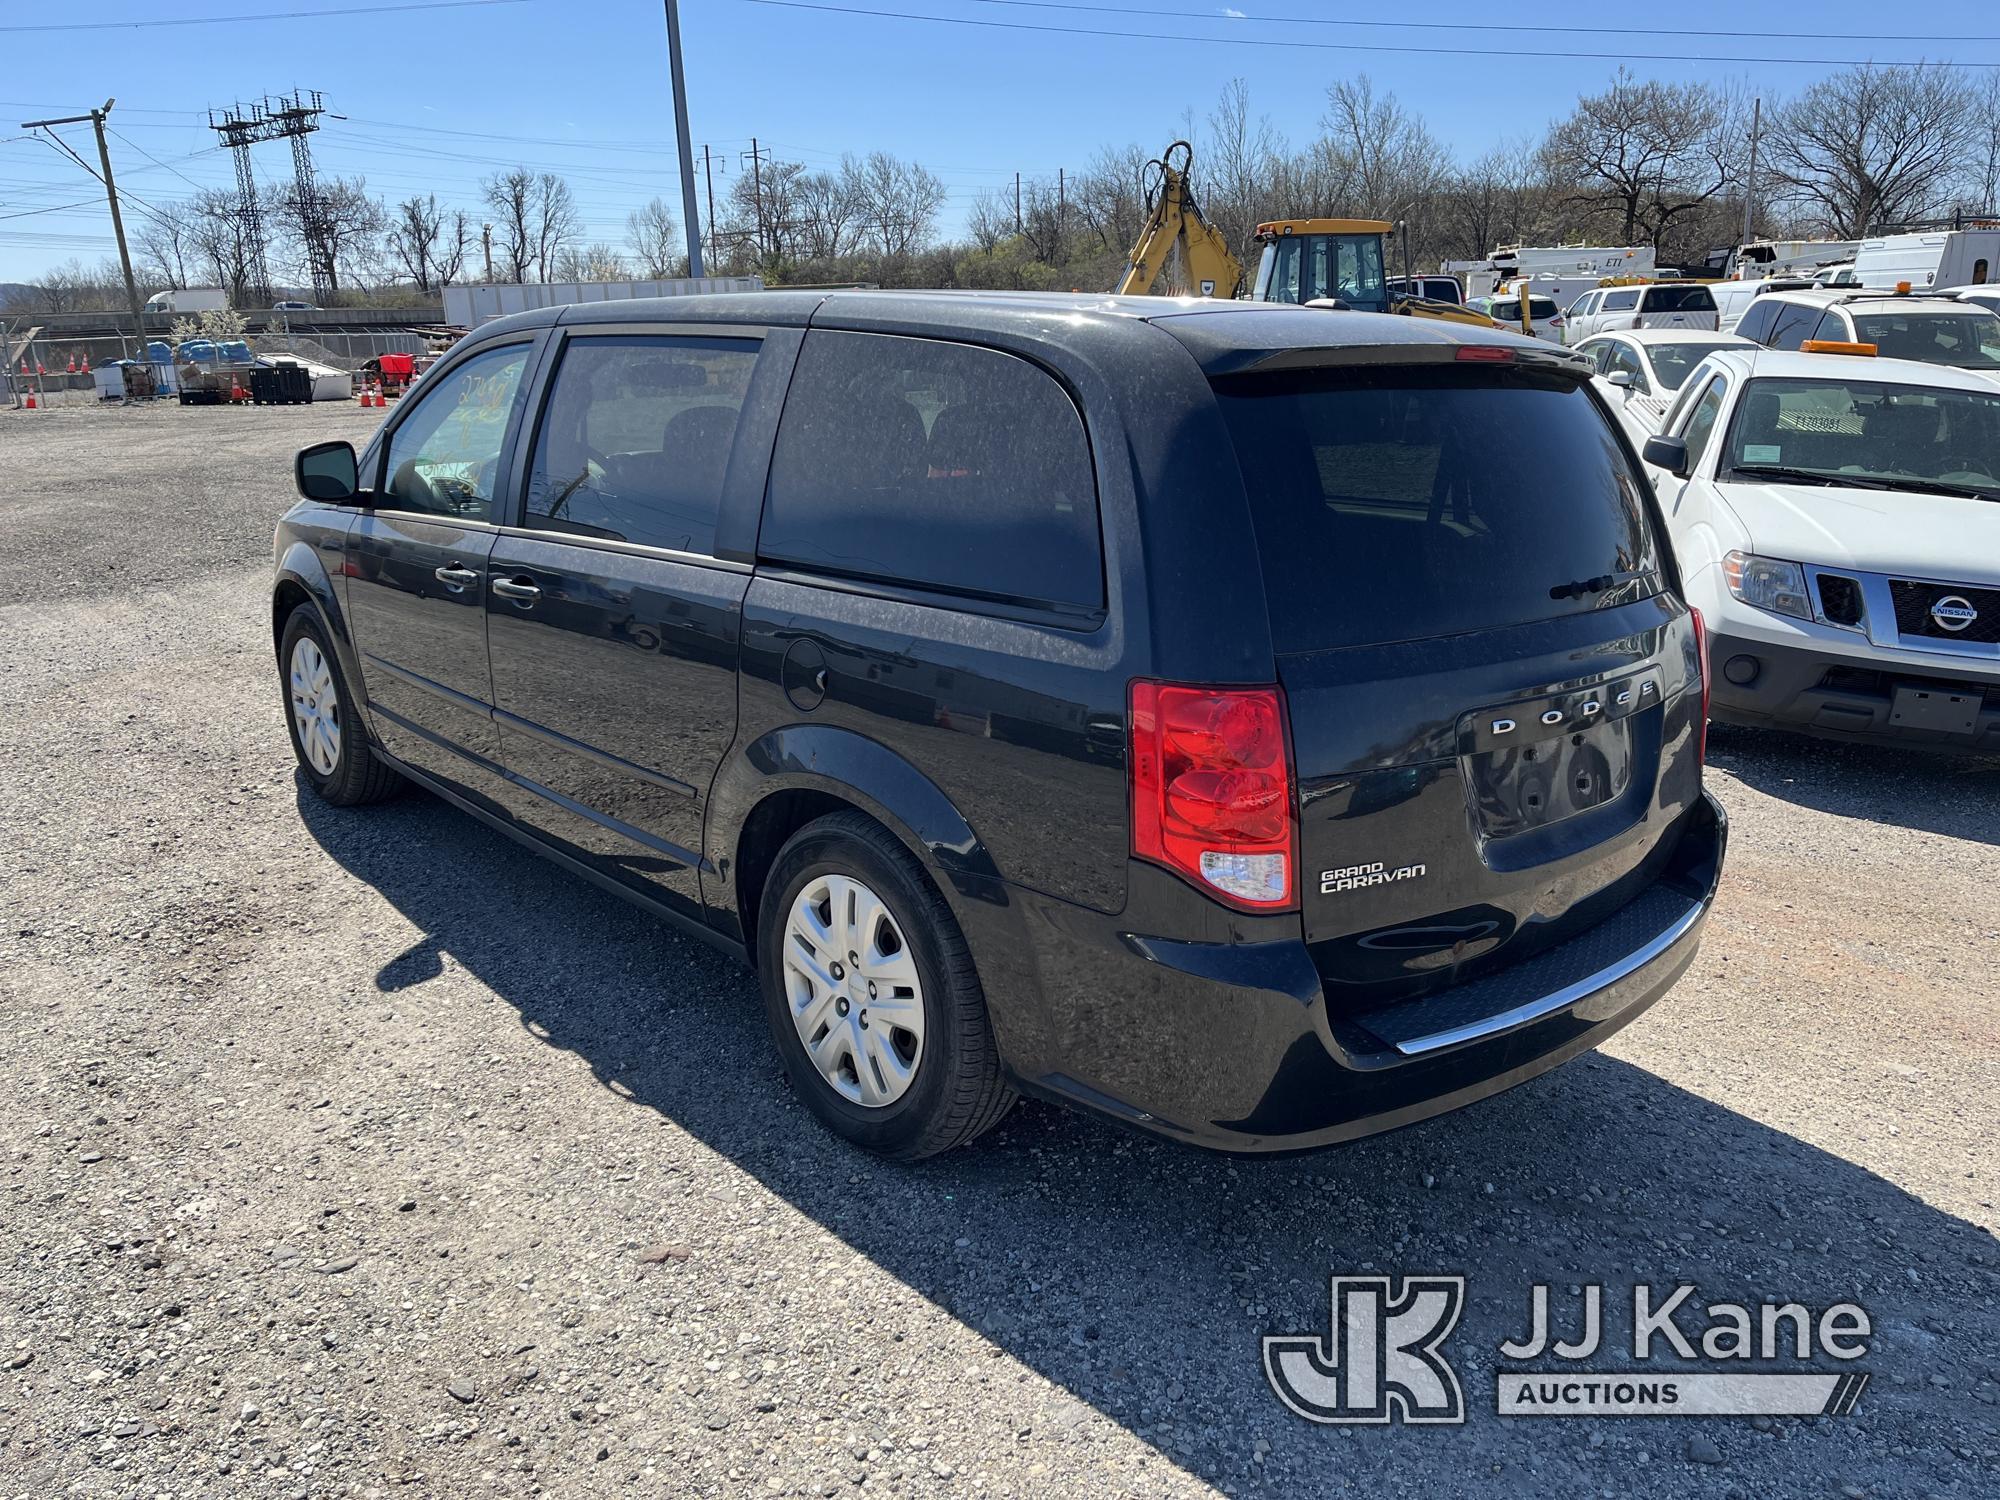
(332,748)
(871,995)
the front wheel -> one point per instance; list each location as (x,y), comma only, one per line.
(871,996)
(332,748)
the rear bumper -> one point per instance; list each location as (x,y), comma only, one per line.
(1842,696)
(1231,1045)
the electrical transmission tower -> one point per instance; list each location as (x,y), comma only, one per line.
(277,117)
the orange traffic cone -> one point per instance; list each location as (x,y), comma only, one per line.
(31,401)
(86,364)
(72,364)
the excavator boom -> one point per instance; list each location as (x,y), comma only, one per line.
(1174,222)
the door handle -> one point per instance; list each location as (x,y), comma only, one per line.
(518,590)
(455,577)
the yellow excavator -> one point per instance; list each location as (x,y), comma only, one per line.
(1330,263)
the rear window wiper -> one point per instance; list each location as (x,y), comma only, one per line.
(1581,586)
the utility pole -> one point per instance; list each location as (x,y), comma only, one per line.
(757,184)
(486,241)
(708,176)
(1750,182)
(1017,203)
(681,132)
(96,119)
(1062,212)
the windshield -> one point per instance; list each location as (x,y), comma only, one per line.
(1869,431)
(1347,266)
(1541,309)
(1673,363)
(1398,504)
(1969,340)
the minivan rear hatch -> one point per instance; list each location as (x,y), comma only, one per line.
(1493,694)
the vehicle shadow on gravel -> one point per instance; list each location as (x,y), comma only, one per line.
(1137,1276)
(1957,796)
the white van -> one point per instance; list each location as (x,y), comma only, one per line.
(1933,258)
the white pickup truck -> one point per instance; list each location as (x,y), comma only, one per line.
(1835,521)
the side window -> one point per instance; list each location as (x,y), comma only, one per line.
(1701,421)
(1624,357)
(1623,300)
(444,456)
(1979,272)
(1830,326)
(1794,324)
(936,465)
(635,439)
(1581,307)
(1597,351)
(1756,323)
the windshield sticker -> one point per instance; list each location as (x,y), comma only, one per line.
(1761,453)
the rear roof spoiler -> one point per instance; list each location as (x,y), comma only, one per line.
(1537,355)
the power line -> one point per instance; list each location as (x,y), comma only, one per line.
(1289,44)
(1202,15)
(269,15)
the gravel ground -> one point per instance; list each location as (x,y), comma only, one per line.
(360,1153)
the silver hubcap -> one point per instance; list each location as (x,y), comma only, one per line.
(851,981)
(315,707)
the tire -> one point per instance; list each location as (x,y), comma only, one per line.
(327,738)
(949,1089)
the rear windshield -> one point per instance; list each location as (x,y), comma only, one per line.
(1397,504)
(1672,299)
(1970,340)
(1509,311)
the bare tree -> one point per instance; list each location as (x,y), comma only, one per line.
(415,235)
(652,233)
(991,218)
(536,216)
(1648,152)
(596,262)
(825,211)
(350,227)
(1109,205)
(1872,147)
(166,241)
(220,246)
(896,201)
(453,245)
(511,196)
(1983,181)
(1238,160)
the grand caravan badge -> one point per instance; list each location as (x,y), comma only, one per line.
(1358,877)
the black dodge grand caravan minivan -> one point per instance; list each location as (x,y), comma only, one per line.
(1258,725)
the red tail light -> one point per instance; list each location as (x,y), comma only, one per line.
(1701,661)
(1212,790)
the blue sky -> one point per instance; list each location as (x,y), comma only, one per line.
(438,98)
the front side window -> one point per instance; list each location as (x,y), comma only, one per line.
(1700,427)
(1625,358)
(636,438)
(1673,363)
(1969,340)
(1869,434)
(444,456)
(936,466)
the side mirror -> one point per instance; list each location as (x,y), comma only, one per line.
(1669,453)
(1620,378)
(328,472)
